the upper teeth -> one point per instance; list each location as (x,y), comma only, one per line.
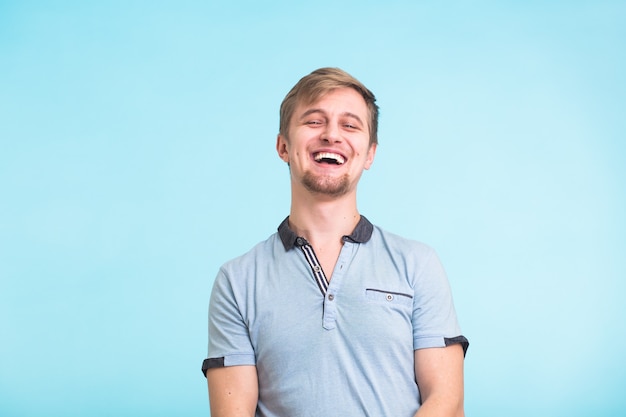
(329,155)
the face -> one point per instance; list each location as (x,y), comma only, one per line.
(329,144)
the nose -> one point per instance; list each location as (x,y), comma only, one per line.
(331,133)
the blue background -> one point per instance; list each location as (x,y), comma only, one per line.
(137,155)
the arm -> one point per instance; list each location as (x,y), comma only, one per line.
(439,375)
(233,391)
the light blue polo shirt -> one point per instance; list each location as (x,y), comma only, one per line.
(340,348)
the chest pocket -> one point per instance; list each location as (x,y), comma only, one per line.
(391,298)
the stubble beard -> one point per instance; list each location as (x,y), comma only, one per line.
(325,185)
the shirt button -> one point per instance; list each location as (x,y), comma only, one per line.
(300,241)
(331,297)
(389,297)
(317,268)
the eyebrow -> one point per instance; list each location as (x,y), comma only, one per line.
(345,114)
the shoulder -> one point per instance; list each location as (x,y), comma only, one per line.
(415,259)
(262,251)
(400,245)
(237,276)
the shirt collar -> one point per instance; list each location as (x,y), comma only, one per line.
(361,233)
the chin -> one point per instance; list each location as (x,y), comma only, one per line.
(333,187)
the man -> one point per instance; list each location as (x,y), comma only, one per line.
(332,316)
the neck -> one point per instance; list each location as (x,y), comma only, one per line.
(323,221)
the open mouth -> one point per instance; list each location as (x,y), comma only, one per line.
(329,158)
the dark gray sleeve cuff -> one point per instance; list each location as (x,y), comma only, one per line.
(462,340)
(212,363)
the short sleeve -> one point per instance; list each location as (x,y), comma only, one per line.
(229,340)
(435,321)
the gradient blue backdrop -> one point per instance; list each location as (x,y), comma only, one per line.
(137,155)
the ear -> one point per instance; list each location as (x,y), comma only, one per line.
(281,148)
(371,152)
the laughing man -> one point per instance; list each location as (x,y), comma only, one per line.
(333,316)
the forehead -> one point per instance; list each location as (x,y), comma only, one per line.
(340,100)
